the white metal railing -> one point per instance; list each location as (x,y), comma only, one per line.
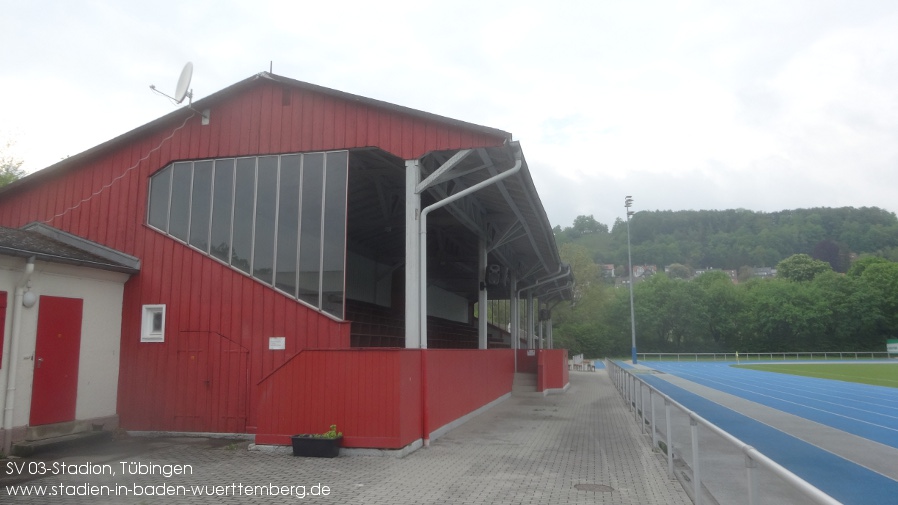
(631,388)
(762,356)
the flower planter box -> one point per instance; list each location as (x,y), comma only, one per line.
(310,446)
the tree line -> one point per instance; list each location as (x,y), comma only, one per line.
(823,298)
(731,239)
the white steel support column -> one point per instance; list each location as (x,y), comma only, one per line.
(540,323)
(482,295)
(513,313)
(412,254)
(549,333)
(530,320)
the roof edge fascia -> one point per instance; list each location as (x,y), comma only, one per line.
(387,105)
(132,263)
(207,101)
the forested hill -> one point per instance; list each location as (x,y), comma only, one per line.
(730,239)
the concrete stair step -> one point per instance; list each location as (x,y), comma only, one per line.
(30,447)
(524,383)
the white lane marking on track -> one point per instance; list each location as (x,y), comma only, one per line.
(776,387)
(862,421)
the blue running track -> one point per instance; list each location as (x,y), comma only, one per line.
(843,480)
(860,409)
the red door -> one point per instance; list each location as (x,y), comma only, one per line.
(56,353)
(2,323)
(213,383)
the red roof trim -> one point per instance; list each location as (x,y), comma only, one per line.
(224,94)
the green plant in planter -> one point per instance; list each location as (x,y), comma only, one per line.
(320,445)
(331,434)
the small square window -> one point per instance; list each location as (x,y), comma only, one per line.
(152,327)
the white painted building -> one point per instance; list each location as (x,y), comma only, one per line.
(61,333)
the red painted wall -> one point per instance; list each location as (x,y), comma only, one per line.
(526,362)
(553,369)
(220,317)
(375,396)
(371,395)
(462,381)
(2,321)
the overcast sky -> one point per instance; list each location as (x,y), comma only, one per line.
(762,105)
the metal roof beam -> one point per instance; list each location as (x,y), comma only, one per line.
(511,233)
(520,217)
(451,163)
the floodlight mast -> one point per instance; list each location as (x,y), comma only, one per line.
(628,201)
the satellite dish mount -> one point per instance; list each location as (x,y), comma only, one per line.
(182,91)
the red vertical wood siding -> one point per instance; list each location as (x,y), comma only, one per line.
(374,396)
(237,315)
(3,295)
(553,369)
(461,381)
(526,362)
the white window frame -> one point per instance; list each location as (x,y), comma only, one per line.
(147,332)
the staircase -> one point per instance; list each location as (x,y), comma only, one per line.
(524,383)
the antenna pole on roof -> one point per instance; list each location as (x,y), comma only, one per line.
(271,66)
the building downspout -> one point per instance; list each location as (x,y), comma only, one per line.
(11,357)
(422,274)
(513,328)
(422,288)
(557,275)
(425,404)
(549,322)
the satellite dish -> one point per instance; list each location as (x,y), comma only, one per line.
(183,87)
(182,91)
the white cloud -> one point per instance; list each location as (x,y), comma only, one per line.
(696,104)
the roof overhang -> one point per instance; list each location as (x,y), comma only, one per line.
(508,215)
(46,243)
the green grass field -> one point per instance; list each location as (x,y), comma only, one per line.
(878,374)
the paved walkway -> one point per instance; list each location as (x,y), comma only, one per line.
(577,447)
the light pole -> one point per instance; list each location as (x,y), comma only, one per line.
(628,201)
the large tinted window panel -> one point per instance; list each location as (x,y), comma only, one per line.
(266,206)
(244,207)
(222,207)
(334,233)
(288,224)
(201,205)
(179,218)
(160,188)
(310,229)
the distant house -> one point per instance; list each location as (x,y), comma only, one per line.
(640,273)
(763,272)
(732,274)
(607,271)
(643,271)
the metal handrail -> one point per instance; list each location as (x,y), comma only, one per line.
(626,383)
(766,356)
